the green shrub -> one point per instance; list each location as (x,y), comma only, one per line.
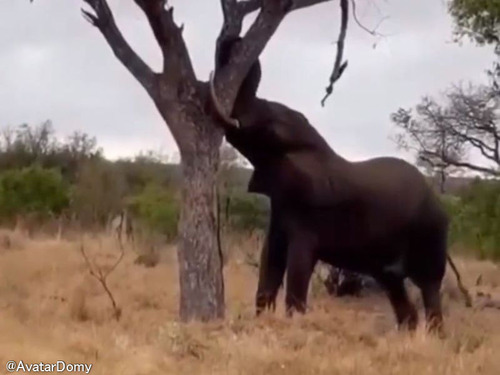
(32,190)
(157,208)
(475,219)
(453,206)
(248,212)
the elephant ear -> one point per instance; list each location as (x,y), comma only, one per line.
(302,178)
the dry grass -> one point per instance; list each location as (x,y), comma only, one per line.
(52,309)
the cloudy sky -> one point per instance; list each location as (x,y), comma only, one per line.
(54,65)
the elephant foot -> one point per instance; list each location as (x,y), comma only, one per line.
(292,310)
(408,320)
(432,303)
(294,305)
(265,301)
(405,311)
(435,326)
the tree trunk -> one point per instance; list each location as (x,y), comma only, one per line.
(200,261)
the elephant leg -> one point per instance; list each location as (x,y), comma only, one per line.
(427,266)
(272,267)
(432,304)
(406,314)
(300,266)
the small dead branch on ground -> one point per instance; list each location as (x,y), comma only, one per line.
(102,277)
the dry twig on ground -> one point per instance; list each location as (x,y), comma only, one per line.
(102,277)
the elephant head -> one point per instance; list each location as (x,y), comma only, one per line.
(279,142)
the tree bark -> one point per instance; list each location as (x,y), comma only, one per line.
(200,261)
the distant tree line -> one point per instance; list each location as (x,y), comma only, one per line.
(43,178)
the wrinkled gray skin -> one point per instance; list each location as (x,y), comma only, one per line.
(378,217)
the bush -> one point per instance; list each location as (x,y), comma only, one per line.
(453,206)
(32,190)
(157,208)
(475,219)
(98,192)
(247,212)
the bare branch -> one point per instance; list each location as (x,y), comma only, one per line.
(176,61)
(103,19)
(339,67)
(442,160)
(234,13)
(356,19)
(470,166)
(101,277)
(442,136)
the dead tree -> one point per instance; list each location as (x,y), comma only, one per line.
(444,136)
(182,101)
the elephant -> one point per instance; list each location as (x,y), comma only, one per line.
(377,217)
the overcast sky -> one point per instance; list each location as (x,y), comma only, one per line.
(54,65)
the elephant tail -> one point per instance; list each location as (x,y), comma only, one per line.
(463,290)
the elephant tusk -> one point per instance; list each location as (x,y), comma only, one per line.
(218,107)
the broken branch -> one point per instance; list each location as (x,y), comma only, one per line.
(176,60)
(339,67)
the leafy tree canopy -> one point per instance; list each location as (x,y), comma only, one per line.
(477,19)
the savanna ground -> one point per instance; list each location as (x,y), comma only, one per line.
(52,309)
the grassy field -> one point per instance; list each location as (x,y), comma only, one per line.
(51,309)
